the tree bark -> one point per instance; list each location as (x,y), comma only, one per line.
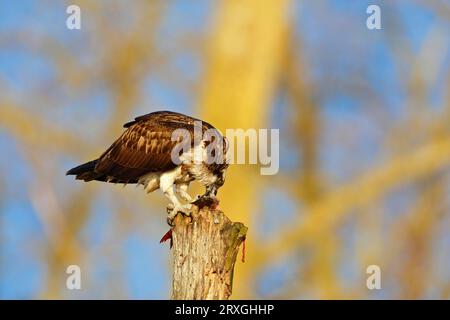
(205,248)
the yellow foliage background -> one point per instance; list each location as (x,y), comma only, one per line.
(365,142)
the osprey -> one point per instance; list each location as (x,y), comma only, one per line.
(165,150)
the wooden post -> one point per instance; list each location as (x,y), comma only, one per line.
(205,247)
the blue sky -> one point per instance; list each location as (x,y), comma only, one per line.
(335,44)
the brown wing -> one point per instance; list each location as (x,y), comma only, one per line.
(169,118)
(144,147)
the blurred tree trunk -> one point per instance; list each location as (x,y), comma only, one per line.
(242,69)
(205,249)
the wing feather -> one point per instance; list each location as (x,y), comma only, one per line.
(145,146)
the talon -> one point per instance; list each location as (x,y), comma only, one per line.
(184,209)
(170,207)
(170,221)
(173,210)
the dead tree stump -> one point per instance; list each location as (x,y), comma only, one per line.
(205,248)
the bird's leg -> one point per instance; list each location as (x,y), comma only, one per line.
(175,207)
(167,187)
(181,190)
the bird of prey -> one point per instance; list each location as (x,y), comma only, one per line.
(152,152)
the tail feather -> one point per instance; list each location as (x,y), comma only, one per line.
(85,171)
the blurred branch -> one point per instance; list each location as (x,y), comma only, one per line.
(307,123)
(61,225)
(332,209)
(35,131)
(439,7)
(308,183)
(417,235)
